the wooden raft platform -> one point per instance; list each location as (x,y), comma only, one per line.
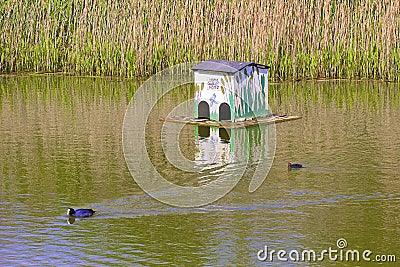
(229,124)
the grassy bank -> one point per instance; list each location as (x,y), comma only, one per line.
(299,39)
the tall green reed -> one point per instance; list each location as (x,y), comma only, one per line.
(298,39)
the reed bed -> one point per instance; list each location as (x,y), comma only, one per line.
(298,39)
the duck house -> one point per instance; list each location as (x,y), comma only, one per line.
(230,90)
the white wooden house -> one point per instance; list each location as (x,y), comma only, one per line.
(230,90)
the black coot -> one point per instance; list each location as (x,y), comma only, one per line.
(294,165)
(80,213)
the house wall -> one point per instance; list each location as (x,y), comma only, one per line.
(215,89)
(251,99)
(245,91)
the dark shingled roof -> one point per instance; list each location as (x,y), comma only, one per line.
(225,65)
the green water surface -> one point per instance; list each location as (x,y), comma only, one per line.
(60,147)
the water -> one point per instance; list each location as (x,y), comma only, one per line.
(61,147)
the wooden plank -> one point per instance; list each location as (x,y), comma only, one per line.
(231,125)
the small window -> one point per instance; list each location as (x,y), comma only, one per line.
(224,112)
(204,110)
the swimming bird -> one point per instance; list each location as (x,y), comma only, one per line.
(294,165)
(80,213)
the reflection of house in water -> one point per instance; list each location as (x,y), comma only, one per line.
(222,146)
(214,145)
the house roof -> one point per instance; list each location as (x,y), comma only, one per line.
(225,65)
